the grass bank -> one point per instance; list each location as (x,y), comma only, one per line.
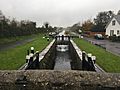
(14,39)
(14,58)
(106,60)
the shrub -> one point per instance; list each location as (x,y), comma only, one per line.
(114,38)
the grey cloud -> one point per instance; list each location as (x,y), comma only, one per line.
(57,12)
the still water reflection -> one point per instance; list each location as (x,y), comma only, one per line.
(62,61)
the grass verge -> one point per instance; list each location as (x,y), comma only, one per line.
(14,58)
(106,60)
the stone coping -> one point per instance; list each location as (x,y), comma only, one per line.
(43,53)
(71,77)
(78,50)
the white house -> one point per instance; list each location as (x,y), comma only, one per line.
(113,27)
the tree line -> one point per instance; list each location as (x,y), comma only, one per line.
(13,28)
(98,24)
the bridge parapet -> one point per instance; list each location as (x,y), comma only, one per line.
(58,80)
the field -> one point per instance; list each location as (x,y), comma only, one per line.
(14,58)
(106,60)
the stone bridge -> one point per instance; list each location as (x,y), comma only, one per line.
(58,80)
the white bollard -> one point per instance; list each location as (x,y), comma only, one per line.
(27,58)
(89,55)
(94,59)
(48,39)
(32,50)
(81,36)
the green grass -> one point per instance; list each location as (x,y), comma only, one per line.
(13,59)
(106,60)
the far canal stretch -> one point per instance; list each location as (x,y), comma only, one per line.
(62,61)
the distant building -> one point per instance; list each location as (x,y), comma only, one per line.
(113,27)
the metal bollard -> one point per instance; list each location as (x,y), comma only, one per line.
(32,50)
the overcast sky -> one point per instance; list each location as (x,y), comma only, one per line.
(56,12)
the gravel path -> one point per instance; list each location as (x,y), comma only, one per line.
(15,44)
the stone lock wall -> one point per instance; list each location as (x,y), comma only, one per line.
(76,63)
(48,61)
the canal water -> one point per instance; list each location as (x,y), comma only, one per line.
(62,61)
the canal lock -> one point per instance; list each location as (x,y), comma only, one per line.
(60,54)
